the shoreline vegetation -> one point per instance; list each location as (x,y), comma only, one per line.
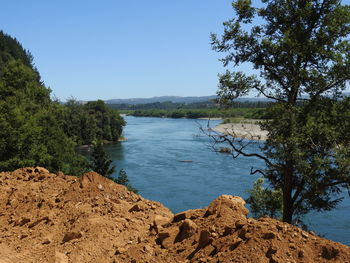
(214,113)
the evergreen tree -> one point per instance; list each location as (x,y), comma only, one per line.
(100,163)
(124,180)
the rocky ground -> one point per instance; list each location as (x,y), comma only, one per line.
(246,130)
(48,217)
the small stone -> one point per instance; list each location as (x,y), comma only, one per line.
(228,231)
(269,235)
(70,236)
(187,229)
(304,234)
(22,222)
(159,221)
(240,223)
(214,235)
(179,217)
(120,250)
(23,236)
(204,239)
(148,249)
(61,258)
(46,241)
(135,208)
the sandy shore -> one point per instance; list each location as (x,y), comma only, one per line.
(250,131)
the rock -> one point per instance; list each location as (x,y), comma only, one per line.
(204,239)
(22,222)
(73,221)
(179,217)
(187,229)
(46,241)
(227,205)
(23,236)
(135,208)
(159,221)
(304,234)
(329,252)
(61,258)
(120,250)
(268,235)
(190,214)
(41,170)
(162,237)
(148,249)
(44,219)
(225,150)
(70,236)
(272,250)
(91,179)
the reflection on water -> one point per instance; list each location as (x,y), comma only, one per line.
(170,161)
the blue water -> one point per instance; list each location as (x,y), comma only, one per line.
(152,157)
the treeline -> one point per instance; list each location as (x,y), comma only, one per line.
(35,130)
(91,121)
(248,113)
(168,105)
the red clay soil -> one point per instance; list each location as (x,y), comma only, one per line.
(48,217)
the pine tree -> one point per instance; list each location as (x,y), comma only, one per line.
(100,162)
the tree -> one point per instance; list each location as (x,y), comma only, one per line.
(100,162)
(263,201)
(30,131)
(301,49)
(124,180)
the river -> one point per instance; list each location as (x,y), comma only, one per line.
(171,161)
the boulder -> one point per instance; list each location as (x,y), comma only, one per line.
(227,205)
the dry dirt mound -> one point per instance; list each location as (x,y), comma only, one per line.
(56,218)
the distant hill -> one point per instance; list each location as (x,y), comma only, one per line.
(185,100)
(174,99)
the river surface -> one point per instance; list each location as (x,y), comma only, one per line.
(156,159)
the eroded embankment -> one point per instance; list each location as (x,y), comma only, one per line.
(48,217)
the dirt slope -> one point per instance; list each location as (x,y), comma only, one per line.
(56,218)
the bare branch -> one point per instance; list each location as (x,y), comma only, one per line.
(255,171)
(237,144)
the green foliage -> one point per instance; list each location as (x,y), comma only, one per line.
(11,49)
(100,162)
(124,180)
(301,49)
(34,130)
(318,143)
(263,201)
(249,113)
(30,134)
(168,105)
(92,121)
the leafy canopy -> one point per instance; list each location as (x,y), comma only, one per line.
(34,130)
(301,50)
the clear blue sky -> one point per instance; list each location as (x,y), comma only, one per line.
(110,49)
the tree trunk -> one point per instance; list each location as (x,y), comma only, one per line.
(287,194)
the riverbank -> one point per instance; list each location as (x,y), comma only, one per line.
(47,217)
(245,130)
